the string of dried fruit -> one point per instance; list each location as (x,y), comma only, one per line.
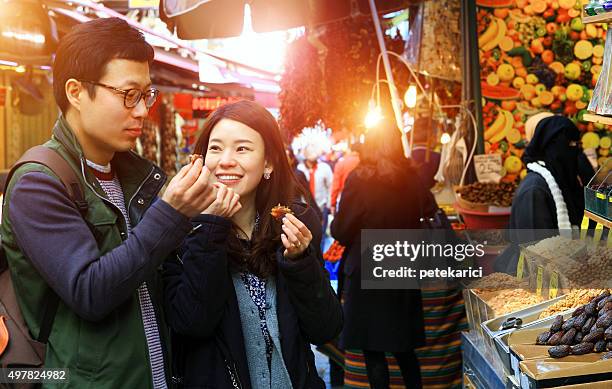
(148,139)
(300,96)
(168,139)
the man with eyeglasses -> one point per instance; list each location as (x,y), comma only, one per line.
(100,264)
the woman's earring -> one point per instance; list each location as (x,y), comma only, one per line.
(267,175)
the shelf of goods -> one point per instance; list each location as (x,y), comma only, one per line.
(591,117)
(559,277)
(603,18)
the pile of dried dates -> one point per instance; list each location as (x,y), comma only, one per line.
(588,330)
(489,193)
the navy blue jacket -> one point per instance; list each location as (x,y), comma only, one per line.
(202,308)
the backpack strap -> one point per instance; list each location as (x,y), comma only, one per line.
(51,159)
(54,161)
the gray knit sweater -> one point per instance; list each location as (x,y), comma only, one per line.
(254,343)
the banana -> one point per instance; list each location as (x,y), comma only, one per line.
(508,124)
(497,126)
(501,33)
(489,34)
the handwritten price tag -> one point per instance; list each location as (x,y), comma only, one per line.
(520,267)
(554,286)
(540,280)
(488,167)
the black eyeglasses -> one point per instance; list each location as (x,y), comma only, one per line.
(131,97)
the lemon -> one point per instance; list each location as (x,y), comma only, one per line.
(532,79)
(605,142)
(505,72)
(513,164)
(590,140)
(493,79)
(518,82)
(574,92)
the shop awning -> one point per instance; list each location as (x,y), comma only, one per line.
(204,19)
(226,72)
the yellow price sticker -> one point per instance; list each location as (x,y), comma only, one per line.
(520,267)
(554,285)
(610,198)
(540,280)
(600,196)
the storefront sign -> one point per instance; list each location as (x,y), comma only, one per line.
(2,96)
(203,105)
(144,4)
(488,167)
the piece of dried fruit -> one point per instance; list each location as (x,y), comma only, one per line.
(604,321)
(543,337)
(600,346)
(557,323)
(608,333)
(593,336)
(194,157)
(582,348)
(568,324)
(278,212)
(579,311)
(602,296)
(559,351)
(579,337)
(591,308)
(555,339)
(569,336)
(580,321)
(586,328)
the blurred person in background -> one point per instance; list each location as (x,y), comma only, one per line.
(320,177)
(345,165)
(383,192)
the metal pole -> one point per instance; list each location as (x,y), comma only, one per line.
(395,99)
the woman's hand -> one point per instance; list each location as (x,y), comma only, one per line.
(295,237)
(226,204)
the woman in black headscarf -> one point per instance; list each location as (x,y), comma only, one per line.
(550,199)
(552,196)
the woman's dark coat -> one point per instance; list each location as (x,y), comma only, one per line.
(202,308)
(380,320)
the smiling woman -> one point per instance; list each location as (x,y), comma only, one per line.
(262,295)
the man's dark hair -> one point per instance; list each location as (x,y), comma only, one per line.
(85,51)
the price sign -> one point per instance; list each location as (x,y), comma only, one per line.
(540,280)
(520,267)
(488,167)
(553,288)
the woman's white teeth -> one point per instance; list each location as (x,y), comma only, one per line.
(229,178)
